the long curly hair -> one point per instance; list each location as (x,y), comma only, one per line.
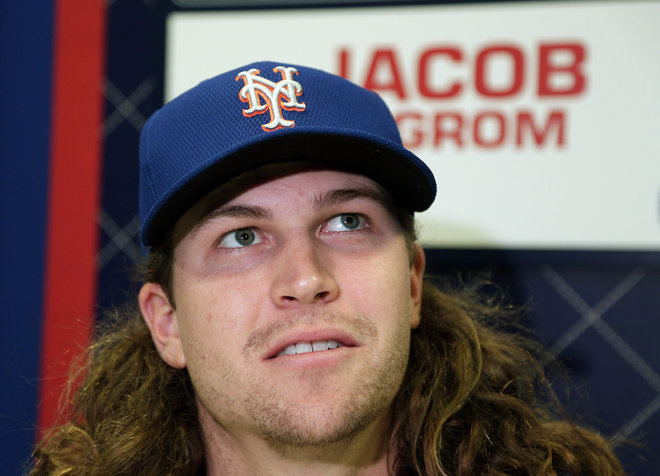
(474,401)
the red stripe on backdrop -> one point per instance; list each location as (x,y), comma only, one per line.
(73,195)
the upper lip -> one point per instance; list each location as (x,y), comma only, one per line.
(281,343)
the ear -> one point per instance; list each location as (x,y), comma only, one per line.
(160,317)
(416,280)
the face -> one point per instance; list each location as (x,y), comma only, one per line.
(295,298)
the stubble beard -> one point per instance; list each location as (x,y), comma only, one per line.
(326,422)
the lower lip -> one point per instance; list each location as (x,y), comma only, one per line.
(311,360)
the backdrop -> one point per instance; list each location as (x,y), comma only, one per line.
(539,118)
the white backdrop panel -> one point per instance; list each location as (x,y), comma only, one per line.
(541,121)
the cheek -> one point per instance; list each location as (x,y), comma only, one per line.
(380,286)
(211,319)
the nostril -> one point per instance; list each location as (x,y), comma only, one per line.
(318,296)
(322,295)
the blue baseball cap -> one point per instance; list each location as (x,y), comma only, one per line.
(261,114)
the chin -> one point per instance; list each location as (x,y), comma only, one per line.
(323,420)
(308,430)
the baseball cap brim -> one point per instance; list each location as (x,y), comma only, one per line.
(401,172)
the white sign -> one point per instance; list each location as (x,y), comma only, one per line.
(541,121)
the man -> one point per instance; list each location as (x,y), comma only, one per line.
(284,325)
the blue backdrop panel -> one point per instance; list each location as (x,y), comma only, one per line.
(25,74)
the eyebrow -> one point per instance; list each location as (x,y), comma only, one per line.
(318,202)
(234,211)
(337,197)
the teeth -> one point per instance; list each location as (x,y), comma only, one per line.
(320,345)
(305,347)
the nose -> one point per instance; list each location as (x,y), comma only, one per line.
(303,275)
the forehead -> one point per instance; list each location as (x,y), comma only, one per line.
(310,181)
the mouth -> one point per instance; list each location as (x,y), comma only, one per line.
(310,343)
(307,347)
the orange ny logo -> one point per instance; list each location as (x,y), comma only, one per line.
(264,95)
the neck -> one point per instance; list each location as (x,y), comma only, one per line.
(230,452)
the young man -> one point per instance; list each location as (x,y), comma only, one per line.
(284,326)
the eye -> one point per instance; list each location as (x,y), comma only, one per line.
(346,222)
(240,238)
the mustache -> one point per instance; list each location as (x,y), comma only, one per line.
(358,326)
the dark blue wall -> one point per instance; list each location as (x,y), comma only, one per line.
(25,80)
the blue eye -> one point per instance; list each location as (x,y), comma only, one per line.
(239,238)
(346,222)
